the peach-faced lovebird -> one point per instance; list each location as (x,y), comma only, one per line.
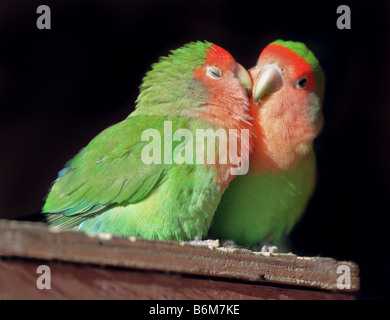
(263,205)
(142,176)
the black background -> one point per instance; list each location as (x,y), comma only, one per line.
(59,88)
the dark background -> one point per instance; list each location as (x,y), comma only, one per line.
(59,88)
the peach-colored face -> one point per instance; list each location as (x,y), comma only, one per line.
(223,78)
(227,84)
(287,108)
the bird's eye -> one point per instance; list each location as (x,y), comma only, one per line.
(214,72)
(301,84)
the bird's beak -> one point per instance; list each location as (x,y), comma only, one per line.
(270,80)
(245,79)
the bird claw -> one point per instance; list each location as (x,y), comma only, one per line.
(269,248)
(265,247)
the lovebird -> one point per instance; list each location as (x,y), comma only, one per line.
(265,204)
(140,177)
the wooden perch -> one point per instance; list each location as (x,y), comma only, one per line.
(283,274)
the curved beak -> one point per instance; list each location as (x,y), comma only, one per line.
(270,80)
(244,78)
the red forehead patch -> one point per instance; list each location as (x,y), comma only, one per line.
(218,56)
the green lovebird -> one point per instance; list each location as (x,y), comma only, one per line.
(265,204)
(133,179)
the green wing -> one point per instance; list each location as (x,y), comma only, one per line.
(107,172)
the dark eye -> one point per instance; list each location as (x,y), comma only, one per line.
(301,84)
(214,72)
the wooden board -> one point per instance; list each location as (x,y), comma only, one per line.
(70,281)
(26,240)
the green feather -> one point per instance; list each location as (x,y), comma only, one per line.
(176,71)
(300,49)
(264,207)
(111,178)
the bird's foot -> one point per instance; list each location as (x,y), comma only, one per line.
(265,247)
(269,249)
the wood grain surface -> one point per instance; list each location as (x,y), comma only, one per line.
(76,256)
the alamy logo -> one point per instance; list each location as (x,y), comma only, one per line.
(344,20)
(200,149)
(344,280)
(44,20)
(44,280)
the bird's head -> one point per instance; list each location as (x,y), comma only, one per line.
(288,92)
